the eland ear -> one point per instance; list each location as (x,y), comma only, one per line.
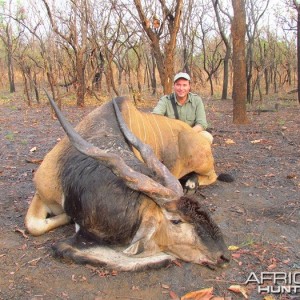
(142,237)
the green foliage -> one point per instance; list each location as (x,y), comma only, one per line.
(248,242)
(10,136)
(4,99)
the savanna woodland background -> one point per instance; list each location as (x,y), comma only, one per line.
(243,57)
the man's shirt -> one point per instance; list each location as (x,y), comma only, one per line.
(191,112)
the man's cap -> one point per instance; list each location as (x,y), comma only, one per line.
(182,75)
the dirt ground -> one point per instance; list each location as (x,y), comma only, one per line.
(259,212)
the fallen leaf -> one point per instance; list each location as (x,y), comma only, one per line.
(269,297)
(233,248)
(204,294)
(33,149)
(255,141)
(236,255)
(270,175)
(229,141)
(174,296)
(238,289)
(272,266)
(165,286)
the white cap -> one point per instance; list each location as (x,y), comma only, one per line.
(182,75)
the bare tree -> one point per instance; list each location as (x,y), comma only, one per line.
(150,69)
(6,35)
(79,42)
(110,39)
(99,40)
(188,35)
(255,9)
(227,42)
(211,56)
(35,53)
(170,19)
(238,30)
(76,39)
(297,7)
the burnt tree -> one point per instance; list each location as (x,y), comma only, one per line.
(239,89)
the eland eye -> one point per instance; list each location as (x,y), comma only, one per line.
(176,222)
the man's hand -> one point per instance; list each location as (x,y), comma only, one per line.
(198,128)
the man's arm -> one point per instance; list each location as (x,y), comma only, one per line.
(200,121)
(161,107)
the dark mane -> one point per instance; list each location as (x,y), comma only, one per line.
(198,215)
(94,196)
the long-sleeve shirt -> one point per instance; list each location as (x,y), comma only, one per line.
(191,112)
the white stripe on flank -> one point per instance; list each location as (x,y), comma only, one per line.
(170,127)
(159,131)
(144,128)
(149,116)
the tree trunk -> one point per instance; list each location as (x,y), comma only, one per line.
(225,74)
(186,66)
(266,71)
(168,68)
(152,74)
(26,88)
(227,53)
(80,87)
(10,65)
(238,30)
(36,91)
(249,68)
(164,59)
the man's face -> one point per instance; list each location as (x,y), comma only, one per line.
(182,87)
